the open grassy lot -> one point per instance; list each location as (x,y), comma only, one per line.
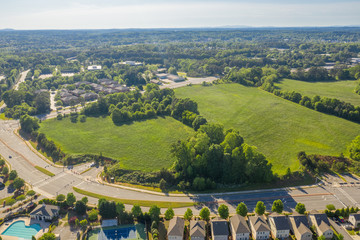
(140,146)
(279,128)
(343,90)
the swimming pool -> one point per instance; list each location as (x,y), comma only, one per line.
(124,232)
(18,229)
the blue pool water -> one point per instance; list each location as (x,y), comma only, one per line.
(18,229)
(127,232)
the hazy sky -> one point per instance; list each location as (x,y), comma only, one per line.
(91,14)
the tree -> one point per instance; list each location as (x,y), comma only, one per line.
(205,213)
(162,184)
(13,174)
(47,236)
(136,211)
(188,214)
(83,223)
(223,211)
(340,237)
(242,209)
(169,213)
(154,213)
(80,207)
(85,200)
(70,199)
(2,162)
(260,208)
(60,198)
(330,207)
(277,206)
(5,170)
(29,124)
(300,208)
(93,215)
(18,183)
(322,237)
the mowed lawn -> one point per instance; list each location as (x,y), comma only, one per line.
(279,128)
(141,145)
(343,90)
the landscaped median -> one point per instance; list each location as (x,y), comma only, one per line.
(43,170)
(143,203)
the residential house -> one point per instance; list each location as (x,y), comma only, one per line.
(354,219)
(259,227)
(90,96)
(300,227)
(77,92)
(70,100)
(175,78)
(122,89)
(197,230)
(78,84)
(162,75)
(219,229)
(44,212)
(321,223)
(176,229)
(239,228)
(279,226)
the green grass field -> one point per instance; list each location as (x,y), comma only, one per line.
(140,146)
(278,127)
(343,90)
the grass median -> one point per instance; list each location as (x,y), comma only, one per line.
(43,170)
(143,203)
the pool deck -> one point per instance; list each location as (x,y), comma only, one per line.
(28,221)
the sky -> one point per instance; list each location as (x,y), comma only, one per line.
(107,14)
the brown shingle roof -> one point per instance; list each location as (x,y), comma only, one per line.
(176,227)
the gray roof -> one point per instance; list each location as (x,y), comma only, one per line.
(322,221)
(281,222)
(259,223)
(239,224)
(45,210)
(300,223)
(176,227)
(356,216)
(197,228)
(220,227)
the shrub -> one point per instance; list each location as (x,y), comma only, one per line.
(31,193)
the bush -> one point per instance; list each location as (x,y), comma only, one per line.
(20,198)
(10,202)
(31,193)
(93,215)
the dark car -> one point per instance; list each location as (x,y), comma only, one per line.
(10,156)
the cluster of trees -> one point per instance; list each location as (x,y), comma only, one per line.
(331,211)
(214,155)
(318,74)
(132,106)
(354,149)
(318,163)
(20,102)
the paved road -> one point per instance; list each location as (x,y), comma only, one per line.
(340,230)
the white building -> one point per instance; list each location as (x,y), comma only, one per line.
(322,224)
(45,212)
(259,228)
(354,219)
(239,228)
(279,225)
(94,68)
(176,229)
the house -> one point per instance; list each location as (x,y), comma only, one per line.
(64,94)
(219,229)
(239,228)
(45,212)
(354,219)
(300,227)
(175,78)
(197,230)
(78,84)
(109,91)
(162,75)
(94,68)
(70,100)
(279,226)
(155,81)
(176,229)
(90,96)
(259,227)
(122,89)
(77,92)
(321,223)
